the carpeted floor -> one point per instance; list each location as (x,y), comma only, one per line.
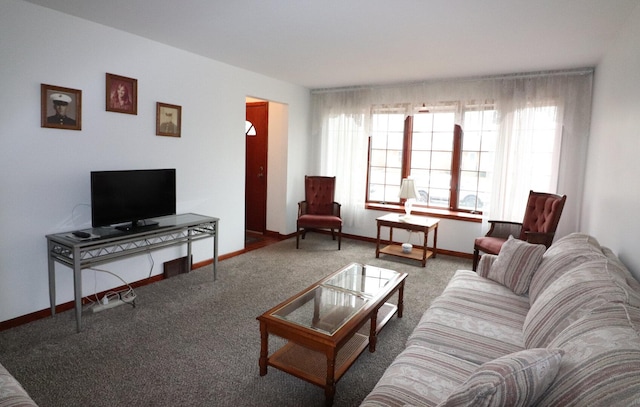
(194,342)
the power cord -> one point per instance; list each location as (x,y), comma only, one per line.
(150,261)
(127,296)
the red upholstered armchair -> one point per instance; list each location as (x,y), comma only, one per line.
(319,210)
(540,222)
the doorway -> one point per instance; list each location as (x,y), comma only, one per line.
(257,134)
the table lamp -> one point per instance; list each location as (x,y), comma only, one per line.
(409,192)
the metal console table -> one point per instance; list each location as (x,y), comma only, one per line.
(106,244)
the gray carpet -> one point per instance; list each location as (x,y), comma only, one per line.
(193,342)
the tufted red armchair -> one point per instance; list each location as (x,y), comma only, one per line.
(541,219)
(319,210)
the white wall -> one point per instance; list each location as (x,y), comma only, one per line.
(44,182)
(612,191)
(277,168)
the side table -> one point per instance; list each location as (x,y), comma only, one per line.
(412,223)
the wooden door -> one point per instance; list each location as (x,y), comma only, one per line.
(256,168)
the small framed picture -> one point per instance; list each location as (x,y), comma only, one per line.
(60,108)
(168,119)
(122,94)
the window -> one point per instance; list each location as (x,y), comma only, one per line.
(451,169)
(385,155)
(478,153)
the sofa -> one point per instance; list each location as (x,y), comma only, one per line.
(11,392)
(531,327)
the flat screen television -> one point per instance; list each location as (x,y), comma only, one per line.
(127,199)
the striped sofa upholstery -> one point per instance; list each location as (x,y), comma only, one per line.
(582,303)
(11,392)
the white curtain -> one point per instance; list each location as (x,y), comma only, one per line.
(341,120)
(343,145)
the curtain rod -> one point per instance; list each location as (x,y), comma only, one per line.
(537,74)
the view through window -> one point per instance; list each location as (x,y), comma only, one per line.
(452,170)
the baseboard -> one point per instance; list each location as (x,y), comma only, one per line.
(34,316)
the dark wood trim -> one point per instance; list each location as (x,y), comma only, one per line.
(34,316)
(424,211)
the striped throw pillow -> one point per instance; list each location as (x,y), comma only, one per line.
(514,380)
(515,265)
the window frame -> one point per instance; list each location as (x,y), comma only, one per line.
(453,210)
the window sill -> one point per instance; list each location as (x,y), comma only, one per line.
(437,213)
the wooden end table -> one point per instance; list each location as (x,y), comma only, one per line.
(412,223)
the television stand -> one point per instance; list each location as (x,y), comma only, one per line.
(78,254)
(139,226)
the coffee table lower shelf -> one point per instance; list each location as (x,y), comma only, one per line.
(416,253)
(311,365)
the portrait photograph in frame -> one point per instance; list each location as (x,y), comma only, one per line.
(60,108)
(122,94)
(168,120)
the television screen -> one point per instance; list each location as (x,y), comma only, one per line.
(131,197)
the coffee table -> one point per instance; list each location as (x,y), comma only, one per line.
(328,325)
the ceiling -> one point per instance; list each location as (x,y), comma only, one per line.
(337,43)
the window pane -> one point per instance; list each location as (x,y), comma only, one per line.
(443,141)
(385,165)
(441,160)
(378,158)
(478,152)
(420,159)
(394,158)
(471,140)
(421,141)
(444,122)
(470,161)
(395,141)
(376,175)
(432,152)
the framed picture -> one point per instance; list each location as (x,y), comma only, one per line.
(60,108)
(122,94)
(168,119)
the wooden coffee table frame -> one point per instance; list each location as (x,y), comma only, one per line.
(320,358)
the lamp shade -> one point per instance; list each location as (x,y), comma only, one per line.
(408,189)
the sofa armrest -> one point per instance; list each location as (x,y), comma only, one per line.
(486,261)
(11,391)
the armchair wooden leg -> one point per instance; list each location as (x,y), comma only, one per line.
(339,238)
(297,238)
(476,258)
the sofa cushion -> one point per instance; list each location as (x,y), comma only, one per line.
(419,377)
(562,256)
(475,319)
(515,265)
(572,296)
(11,392)
(514,380)
(601,364)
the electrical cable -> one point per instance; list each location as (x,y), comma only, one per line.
(150,256)
(73,210)
(128,297)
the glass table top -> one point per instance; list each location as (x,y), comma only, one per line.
(336,300)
